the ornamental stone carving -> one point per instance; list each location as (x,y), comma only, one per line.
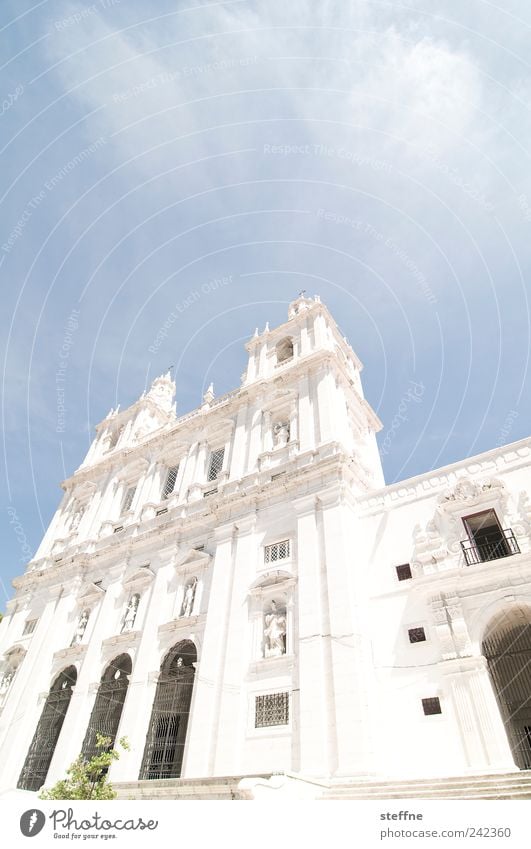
(450,626)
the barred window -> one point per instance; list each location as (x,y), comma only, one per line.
(403,573)
(417,635)
(431,706)
(128,499)
(277,551)
(272,709)
(169,483)
(216,464)
(29,627)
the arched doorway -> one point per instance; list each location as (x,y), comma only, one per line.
(107,710)
(507,648)
(45,739)
(166,737)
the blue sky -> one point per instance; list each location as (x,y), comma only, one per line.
(373,153)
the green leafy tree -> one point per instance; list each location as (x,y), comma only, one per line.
(88,779)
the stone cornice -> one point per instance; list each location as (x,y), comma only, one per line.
(186,427)
(187,520)
(434,483)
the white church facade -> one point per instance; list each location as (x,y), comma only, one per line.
(239,593)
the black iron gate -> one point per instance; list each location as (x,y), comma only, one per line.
(44,741)
(107,710)
(508,651)
(166,737)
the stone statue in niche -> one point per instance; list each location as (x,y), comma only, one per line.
(76,518)
(5,684)
(275,631)
(281,433)
(130,613)
(81,628)
(189,598)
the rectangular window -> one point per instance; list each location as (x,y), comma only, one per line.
(216,464)
(431,706)
(403,573)
(277,551)
(271,710)
(169,483)
(128,499)
(29,627)
(486,538)
(417,635)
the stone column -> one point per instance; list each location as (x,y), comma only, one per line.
(313,751)
(480,725)
(239,444)
(328,424)
(138,704)
(232,711)
(347,646)
(255,437)
(89,673)
(306,419)
(23,708)
(203,726)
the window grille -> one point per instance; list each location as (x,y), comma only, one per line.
(29,627)
(277,551)
(169,483)
(44,741)
(107,710)
(216,464)
(431,706)
(417,635)
(128,499)
(271,710)
(403,572)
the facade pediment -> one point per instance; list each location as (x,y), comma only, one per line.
(90,594)
(192,559)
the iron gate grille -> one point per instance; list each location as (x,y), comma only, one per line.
(508,653)
(166,737)
(107,710)
(44,741)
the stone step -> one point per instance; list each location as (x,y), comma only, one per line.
(522,779)
(214,789)
(514,785)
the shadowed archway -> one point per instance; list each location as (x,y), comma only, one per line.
(166,737)
(46,735)
(507,648)
(107,710)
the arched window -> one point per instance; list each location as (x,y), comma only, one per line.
(45,739)
(284,350)
(166,736)
(107,710)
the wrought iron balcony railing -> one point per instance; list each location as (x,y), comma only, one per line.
(505,546)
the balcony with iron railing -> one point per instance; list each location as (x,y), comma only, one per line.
(504,545)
